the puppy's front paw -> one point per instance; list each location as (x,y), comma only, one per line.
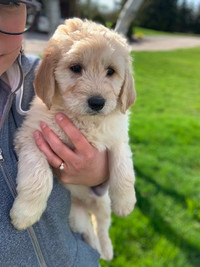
(24,214)
(123,205)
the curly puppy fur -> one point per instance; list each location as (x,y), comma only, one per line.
(83,61)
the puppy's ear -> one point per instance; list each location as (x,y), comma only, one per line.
(45,79)
(127,94)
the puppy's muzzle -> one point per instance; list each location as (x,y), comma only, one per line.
(96,103)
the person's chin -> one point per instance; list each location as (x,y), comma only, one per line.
(6,60)
(4,64)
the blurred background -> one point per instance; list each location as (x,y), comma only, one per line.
(164,36)
(170,15)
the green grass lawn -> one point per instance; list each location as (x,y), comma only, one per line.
(164,229)
(159,33)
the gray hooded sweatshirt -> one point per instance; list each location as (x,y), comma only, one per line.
(50,242)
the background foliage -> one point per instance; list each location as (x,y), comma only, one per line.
(169,15)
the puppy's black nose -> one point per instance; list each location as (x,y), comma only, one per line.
(96,103)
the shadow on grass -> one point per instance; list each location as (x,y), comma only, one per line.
(180,198)
(160,225)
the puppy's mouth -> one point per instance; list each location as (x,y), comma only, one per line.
(94,113)
(96,105)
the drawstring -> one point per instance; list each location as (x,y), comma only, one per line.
(20,88)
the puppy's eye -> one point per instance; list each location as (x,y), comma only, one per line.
(110,71)
(76,68)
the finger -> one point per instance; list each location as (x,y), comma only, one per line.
(63,178)
(52,158)
(76,137)
(62,151)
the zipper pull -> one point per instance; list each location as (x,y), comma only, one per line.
(1,156)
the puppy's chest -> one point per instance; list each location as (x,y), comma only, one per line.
(101,135)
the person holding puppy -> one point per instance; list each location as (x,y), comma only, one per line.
(50,242)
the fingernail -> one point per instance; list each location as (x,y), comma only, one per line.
(37,135)
(59,117)
(43,125)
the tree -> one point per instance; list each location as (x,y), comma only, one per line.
(158,15)
(185,18)
(127,15)
(53,13)
(197,21)
(89,9)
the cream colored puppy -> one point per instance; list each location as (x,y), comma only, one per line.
(86,74)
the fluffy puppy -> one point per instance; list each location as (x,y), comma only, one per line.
(86,74)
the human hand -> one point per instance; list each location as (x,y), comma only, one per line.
(84,165)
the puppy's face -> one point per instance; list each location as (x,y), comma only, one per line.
(90,70)
(90,77)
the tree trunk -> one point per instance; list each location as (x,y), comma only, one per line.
(53,13)
(127,15)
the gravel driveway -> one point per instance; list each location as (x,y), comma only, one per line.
(34,43)
(165,43)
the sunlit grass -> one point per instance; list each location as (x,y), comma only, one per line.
(151,32)
(164,229)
